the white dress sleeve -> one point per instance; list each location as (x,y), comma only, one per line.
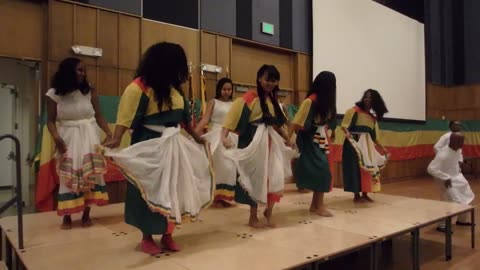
(442,142)
(51,94)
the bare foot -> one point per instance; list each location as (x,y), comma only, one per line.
(255,223)
(268,215)
(358,200)
(323,212)
(367,199)
(67,223)
(313,209)
(217,204)
(87,222)
(302,190)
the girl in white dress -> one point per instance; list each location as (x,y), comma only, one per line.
(73,115)
(225,169)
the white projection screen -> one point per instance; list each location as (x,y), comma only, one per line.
(368,45)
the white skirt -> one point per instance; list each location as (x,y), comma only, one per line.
(80,168)
(173,175)
(225,169)
(264,164)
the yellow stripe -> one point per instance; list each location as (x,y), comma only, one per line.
(96,195)
(70,204)
(224,192)
(302,113)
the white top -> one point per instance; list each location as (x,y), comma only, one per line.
(445,164)
(444,141)
(220,111)
(72,106)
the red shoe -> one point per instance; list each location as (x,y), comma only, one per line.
(149,247)
(168,243)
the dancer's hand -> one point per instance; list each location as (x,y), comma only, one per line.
(107,138)
(61,146)
(448,183)
(112,143)
(227,143)
(291,144)
(348,135)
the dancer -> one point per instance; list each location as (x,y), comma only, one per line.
(454,126)
(312,170)
(168,175)
(454,187)
(73,114)
(262,154)
(361,161)
(225,169)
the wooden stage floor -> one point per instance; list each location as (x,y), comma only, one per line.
(220,239)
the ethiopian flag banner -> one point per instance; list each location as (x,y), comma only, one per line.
(406,141)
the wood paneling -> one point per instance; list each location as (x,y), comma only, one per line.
(85,32)
(60,30)
(461,102)
(22,29)
(247,59)
(129,42)
(92,76)
(153,32)
(107,81)
(108,38)
(224,49)
(125,77)
(209,48)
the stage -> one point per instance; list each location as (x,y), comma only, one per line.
(220,239)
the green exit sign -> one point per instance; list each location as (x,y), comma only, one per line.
(267,28)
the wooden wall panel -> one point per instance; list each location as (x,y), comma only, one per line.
(108,38)
(60,30)
(153,32)
(128,42)
(224,49)
(85,32)
(209,48)
(125,77)
(22,29)
(461,102)
(247,59)
(92,76)
(107,81)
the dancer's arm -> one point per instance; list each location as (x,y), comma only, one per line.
(206,117)
(98,116)
(224,138)
(189,129)
(284,135)
(52,126)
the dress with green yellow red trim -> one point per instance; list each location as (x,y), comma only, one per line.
(169,176)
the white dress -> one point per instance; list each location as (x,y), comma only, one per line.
(225,169)
(80,169)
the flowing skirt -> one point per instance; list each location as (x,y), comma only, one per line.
(172,174)
(263,165)
(80,169)
(225,169)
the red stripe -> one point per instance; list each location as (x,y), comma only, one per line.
(223,198)
(139,81)
(272,197)
(249,96)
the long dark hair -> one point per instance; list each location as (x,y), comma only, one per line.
(325,86)
(378,105)
(272,75)
(220,84)
(64,81)
(163,66)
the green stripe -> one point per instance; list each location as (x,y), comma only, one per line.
(109,107)
(225,187)
(73,196)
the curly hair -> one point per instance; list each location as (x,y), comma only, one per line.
(378,105)
(163,66)
(64,81)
